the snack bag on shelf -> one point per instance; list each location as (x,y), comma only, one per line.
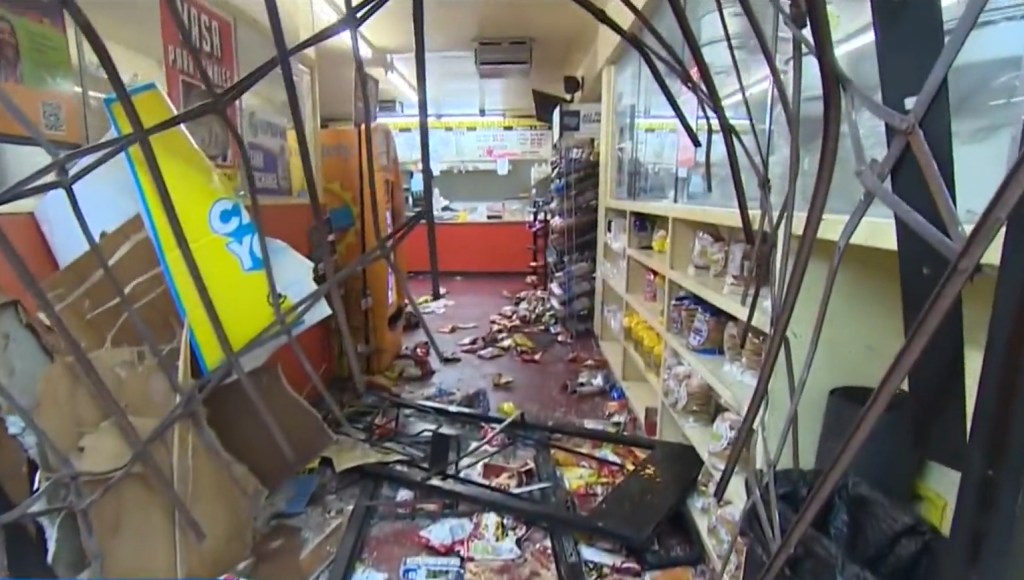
(660,241)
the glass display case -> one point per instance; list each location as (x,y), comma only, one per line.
(985,94)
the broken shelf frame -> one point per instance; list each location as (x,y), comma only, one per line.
(550,510)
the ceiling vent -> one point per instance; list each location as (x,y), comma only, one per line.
(500,58)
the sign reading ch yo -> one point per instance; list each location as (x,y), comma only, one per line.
(229,219)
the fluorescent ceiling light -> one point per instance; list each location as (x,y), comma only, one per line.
(403,85)
(92,94)
(842,47)
(329,12)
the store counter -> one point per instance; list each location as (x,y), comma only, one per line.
(472,247)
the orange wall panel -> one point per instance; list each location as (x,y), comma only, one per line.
(471,248)
(21,228)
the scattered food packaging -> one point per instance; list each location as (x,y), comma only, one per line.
(493,537)
(431,568)
(501,381)
(445,535)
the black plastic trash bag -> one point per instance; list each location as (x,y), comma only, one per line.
(859,535)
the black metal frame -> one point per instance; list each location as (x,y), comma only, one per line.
(908,38)
(986,530)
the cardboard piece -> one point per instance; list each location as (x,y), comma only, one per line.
(287,551)
(232,415)
(346,453)
(86,300)
(134,523)
(88,304)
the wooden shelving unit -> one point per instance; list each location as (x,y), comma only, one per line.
(862,332)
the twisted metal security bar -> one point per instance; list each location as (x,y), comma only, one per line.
(774,229)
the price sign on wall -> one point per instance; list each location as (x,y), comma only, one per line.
(455,142)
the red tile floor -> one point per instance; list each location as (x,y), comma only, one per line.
(537,391)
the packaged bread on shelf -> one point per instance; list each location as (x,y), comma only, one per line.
(718,259)
(753,353)
(739,267)
(707,334)
(723,525)
(732,345)
(674,376)
(698,404)
(723,435)
(701,256)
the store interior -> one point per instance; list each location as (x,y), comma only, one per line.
(568,289)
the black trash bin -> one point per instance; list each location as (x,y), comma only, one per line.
(860,534)
(888,461)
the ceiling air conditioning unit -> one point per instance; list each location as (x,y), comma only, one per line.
(498,58)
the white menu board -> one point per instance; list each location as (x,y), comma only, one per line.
(461,142)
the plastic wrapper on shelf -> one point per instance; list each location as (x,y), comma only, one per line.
(651,284)
(428,568)
(701,257)
(612,315)
(723,525)
(493,537)
(707,334)
(687,392)
(859,535)
(718,257)
(616,234)
(682,313)
(659,243)
(703,497)
(723,435)
(643,232)
(744,360)
(739,267)
(732,346)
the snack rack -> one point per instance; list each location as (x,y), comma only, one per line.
(571,252)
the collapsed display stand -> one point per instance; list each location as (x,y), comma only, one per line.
(437,443)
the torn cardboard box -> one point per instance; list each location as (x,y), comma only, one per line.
(232,415)
(134,523)
(87,301)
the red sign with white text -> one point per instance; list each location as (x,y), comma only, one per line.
(214,35)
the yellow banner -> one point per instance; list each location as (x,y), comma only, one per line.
(216,225)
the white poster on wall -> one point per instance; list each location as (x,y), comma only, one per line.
(266,138)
